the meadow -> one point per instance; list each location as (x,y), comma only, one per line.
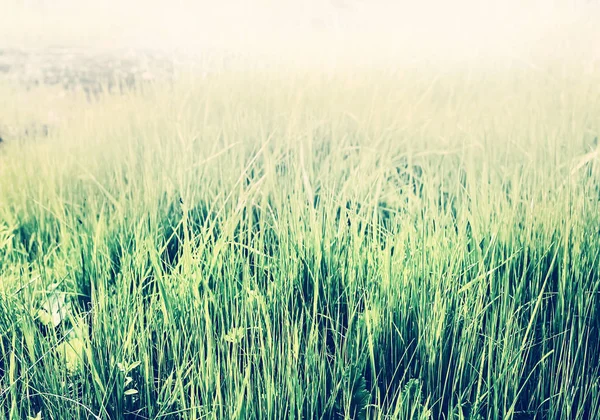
(362,244)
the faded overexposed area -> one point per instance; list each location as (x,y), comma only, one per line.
(314,32)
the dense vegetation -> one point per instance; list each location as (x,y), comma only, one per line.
(389,245)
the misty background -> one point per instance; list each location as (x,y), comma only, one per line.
(314,32)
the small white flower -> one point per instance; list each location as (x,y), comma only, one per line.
(235,335)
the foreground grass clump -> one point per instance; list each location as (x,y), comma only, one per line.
(361,246)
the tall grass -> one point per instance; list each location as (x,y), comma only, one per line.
(362,245)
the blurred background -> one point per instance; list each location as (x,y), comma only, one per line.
(312,31)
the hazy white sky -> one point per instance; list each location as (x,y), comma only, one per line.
(460,29)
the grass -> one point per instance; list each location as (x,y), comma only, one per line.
(382,245)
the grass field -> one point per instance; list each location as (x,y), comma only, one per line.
(286,245)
